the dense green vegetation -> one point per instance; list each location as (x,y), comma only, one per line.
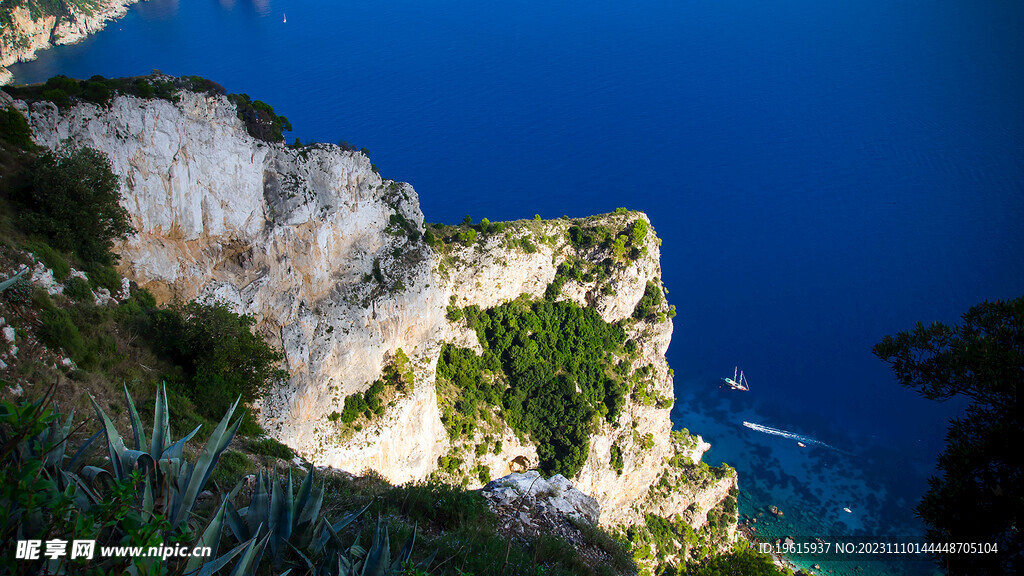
(14,129)
(72,202)
(361,408)
(219,355)
(261,121)
(627,242)
(286,519)
(742,560)
(42,8)
(64,91)
(551,365)
(979,494)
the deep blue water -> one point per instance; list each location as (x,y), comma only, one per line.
(822,174)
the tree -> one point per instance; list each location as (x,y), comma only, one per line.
(73,201)
(222,356)
(979,496)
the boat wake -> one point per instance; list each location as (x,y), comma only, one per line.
(791,435)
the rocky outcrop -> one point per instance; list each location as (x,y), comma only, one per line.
(536,501)
(28,29)
(331,260)
(289,236)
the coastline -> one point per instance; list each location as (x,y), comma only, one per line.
(27,35)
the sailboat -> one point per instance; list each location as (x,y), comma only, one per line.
(738,380)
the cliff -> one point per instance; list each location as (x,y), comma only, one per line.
(31,26)
(335,264)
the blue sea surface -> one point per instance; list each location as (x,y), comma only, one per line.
(821,173)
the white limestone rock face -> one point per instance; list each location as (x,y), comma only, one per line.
(557,494)
(288,236)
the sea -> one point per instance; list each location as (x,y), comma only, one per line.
(821,174)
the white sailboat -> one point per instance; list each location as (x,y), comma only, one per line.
(738,380)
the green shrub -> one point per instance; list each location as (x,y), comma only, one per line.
(260,119)
(14,129)
(554,356)
(58,331)
(638,233)
(51,258)
(58,97)
(73,201)
(77,289)
(649,303)
(616,459)
(222,357)
(101,276)
(468,237)
(95,90)
(230,468)
(355,405)
(271,447)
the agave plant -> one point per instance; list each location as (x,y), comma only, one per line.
(355,561)
(4,285)
(172,484)
(301,539)
(291,521)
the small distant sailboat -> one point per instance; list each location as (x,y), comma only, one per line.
(738,380)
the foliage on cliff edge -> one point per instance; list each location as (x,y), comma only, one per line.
(979,494)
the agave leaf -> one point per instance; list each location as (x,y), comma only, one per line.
(426,562)
(57,434)
(317,545)
(161,425)
(138,432)
(238,528)
(249,557)
(338,526)
(218,441)
(405,553)
(210,568)
(147,501)
(236,489)
(98,478)
(170,469)
(276,508)
(281,505)
(310,500)
(180,485)
(305,559)
(115,446)
(84,496)
(10,281)
(210,537)
(289,505)
(258,511)
(378,557)
(80,454)
(137,460)
(176,450)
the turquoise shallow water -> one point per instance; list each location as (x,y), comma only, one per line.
(814,485)
(821,173)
